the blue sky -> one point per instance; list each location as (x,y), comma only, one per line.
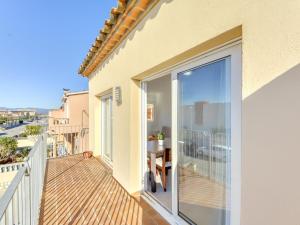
(42,44)
(205,83)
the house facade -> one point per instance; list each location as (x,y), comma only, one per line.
(3,113)
(17,113)
(69,124)
(23,114)
(218,81)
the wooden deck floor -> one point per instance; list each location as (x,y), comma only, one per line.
(79,191)
(198,190)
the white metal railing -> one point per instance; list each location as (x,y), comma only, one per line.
(207,153)
(11,167)
(20,203)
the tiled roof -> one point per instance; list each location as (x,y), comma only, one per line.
(121,21)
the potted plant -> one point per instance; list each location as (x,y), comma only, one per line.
(87,154)
(161,138)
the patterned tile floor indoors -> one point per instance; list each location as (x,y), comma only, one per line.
(79,191)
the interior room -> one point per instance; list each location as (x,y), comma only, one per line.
(159,119)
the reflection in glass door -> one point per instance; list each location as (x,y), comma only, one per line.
(203,145)
(107,128)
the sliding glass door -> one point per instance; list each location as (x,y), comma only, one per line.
(207,100)
(205,113)
(204,146)
(107,128)
(159,118)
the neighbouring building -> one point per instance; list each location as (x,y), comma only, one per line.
(4,113)
(17,113)
(68,125)
(221,81)
(24,113)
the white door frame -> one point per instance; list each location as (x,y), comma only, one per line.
(234,51)
(236,104)
(105,158)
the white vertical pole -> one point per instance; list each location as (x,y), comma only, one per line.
(9,214)
(144,166)
(27,199)
(20,202)
(23,201)
(2,220)
(174,144)
(15,207)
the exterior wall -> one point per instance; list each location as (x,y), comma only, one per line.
(78,109)
(32,113)
(56,113)
(78,114)
(270,64)
(53,115)
(77,106)
(73,118)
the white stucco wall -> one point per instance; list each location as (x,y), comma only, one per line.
(270,64)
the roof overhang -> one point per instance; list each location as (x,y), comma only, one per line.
(122,20)
(76,93)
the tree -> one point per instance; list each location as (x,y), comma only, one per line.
(33,130)
(2,120)
(8,145)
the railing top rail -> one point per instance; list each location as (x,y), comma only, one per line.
(8,195)
(58,118)
(62,156)
(67,126)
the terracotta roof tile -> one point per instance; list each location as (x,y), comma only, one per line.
(121,21)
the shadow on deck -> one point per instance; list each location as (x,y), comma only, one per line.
(79,191)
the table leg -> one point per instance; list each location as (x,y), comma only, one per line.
(153,172)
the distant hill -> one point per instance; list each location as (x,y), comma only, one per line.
(38,110)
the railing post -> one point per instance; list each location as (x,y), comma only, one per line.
(9,214)
(2,220)
(15,208)
(211,141)
(27,198)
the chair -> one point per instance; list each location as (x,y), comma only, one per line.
(163,164)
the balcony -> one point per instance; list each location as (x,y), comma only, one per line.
(74,191)
(79,191)
(67,140)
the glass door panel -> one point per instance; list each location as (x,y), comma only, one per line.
(203,145)
(159,153)
(107,128)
